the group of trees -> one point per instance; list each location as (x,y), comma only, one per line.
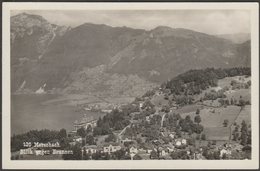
(84,132)
(194,81)
(187,125)
(244,135)
(213,95)
(111,138)
(241,102)
(87,135)
(42,136)
(116,120)
(239,85)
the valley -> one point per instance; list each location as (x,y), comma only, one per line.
(118,93)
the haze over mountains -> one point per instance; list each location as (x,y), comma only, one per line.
(111,60)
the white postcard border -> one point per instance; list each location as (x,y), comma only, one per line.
(151,164)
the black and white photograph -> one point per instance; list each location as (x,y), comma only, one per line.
(118,84)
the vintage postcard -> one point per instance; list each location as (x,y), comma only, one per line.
(130,86)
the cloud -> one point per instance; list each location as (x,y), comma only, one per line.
(207,21)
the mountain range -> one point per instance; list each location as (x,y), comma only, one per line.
(111,60)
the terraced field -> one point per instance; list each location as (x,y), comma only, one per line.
(212,119)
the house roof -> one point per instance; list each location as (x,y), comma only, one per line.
(91,146)
(113,144)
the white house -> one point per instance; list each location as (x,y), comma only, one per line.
(78,139)
(91,149)
(147,118)
(149,151)
(141,150)
(224,151)
(171,135)
(111,148)
(133,150)
(163,153)
(178,143)
(141,104)
(184,141)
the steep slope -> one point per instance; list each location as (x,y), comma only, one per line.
(162,53)
(88,45)
(123,54)
(31,35)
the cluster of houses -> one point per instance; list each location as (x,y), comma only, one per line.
(163,150)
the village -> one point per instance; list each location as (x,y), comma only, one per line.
(159,130)
(215,126)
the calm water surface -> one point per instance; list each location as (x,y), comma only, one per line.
(28,112)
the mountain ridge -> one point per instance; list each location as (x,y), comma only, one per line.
(153,56)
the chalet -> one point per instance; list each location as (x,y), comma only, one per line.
(141,105)
(226,151)
(163,151)
(171,135)
(184,142)
(169,148)
(126,140)
(178,143)
(147,118)
(72,143)
(106,110)
(133,149)
(110,148)
(91,149)
(149,151)
(77,139)
(141,150)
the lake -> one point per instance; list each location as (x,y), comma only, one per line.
(29,112)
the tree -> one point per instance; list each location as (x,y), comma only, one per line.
(166,109)
(62,134)
(198,111)
(86,156)
(197,119)
(90,140)
(225,123)
(89,129)
(203,137)
(137,157)
(120,154)
(244,133)
(198,128)
(81,132)
(243,138)
(235,135)
(241,102)
(77,154)
(232,101)
(111,138)
(249,137)
(153,155)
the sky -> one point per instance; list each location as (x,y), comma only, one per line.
(206,21)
